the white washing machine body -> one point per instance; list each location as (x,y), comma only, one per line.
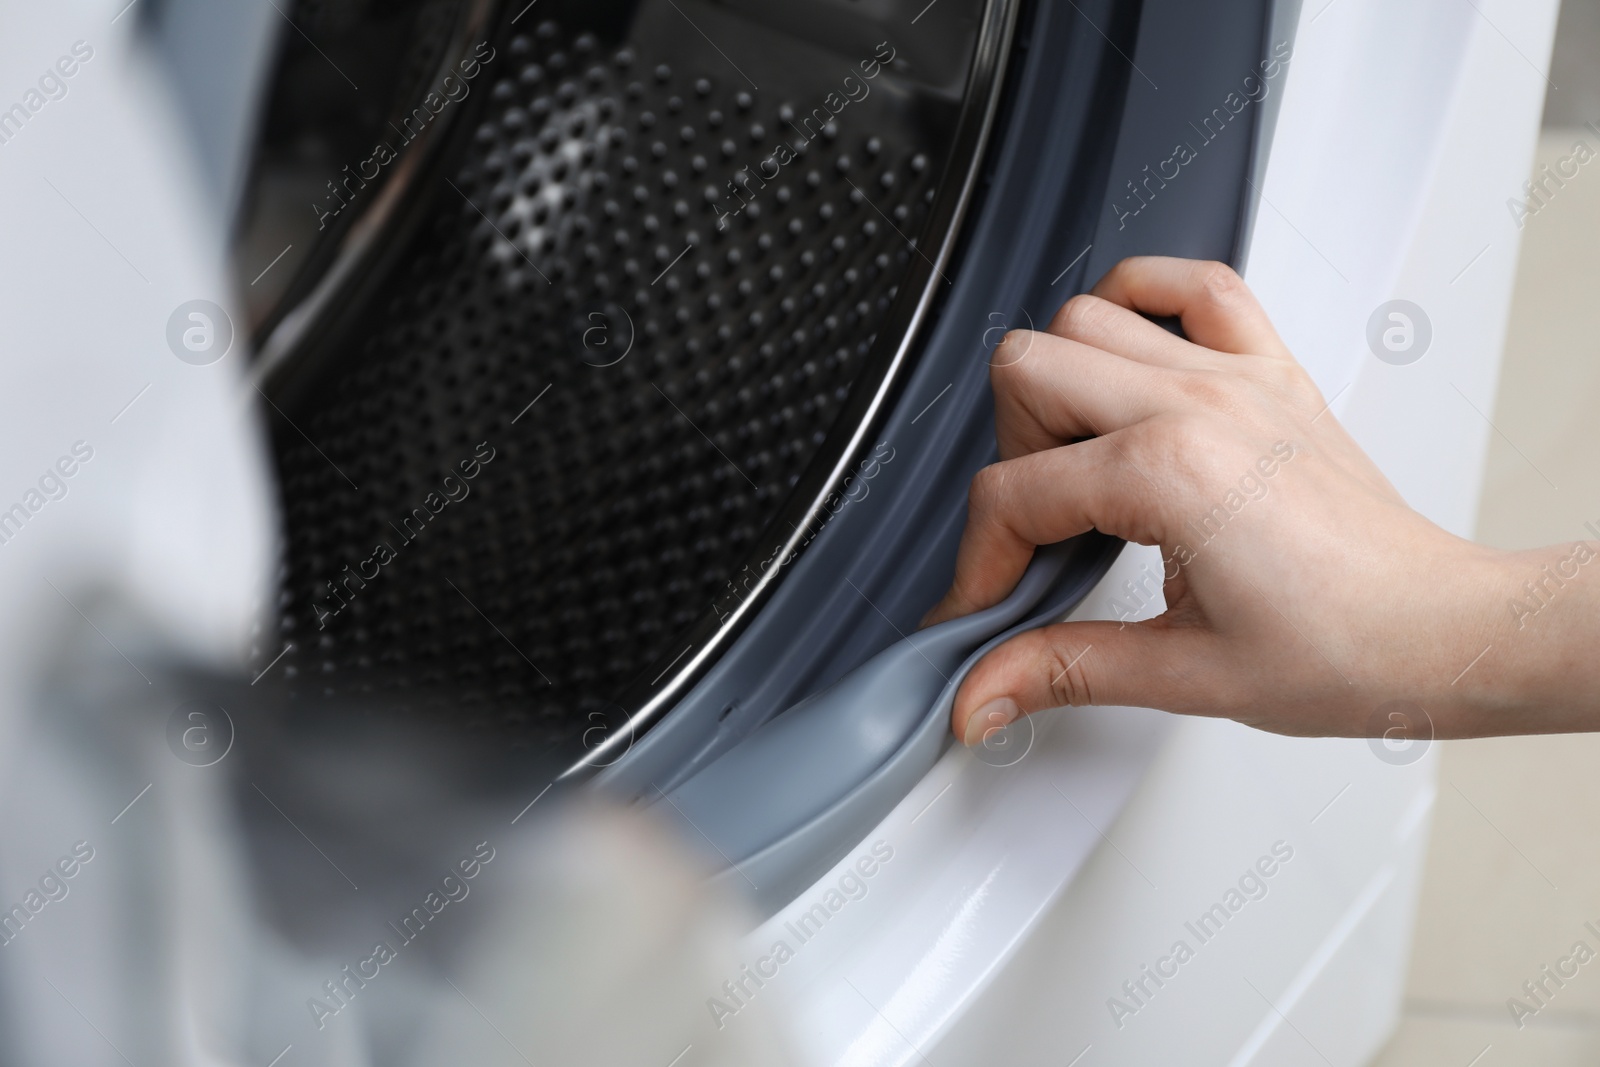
(1126,887)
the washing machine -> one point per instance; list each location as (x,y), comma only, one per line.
(557,402)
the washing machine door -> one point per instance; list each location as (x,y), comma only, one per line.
(616,511)
(577,356)
(633,367)
(1081,171)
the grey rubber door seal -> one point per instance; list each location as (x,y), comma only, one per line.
(831,767)
(786,795)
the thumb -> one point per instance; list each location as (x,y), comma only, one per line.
(1072,663)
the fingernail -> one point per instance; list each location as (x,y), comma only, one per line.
(995,715)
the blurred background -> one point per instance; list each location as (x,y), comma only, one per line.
(1511,874)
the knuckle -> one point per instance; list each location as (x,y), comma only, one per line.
(1266,369)
(1297,388)
(1299,384)
(1078,315)
(1171,442)
(1272,378)
(1069,684)
(1152,440)
(1206,390)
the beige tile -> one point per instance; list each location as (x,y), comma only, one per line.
(1512,875)
(1457,1042)
(1542,480)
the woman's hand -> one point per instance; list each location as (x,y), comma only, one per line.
(1303,594)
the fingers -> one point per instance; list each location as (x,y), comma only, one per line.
(1048,391)
(1092,320)
(1102,367)
(1077,664)
(1040,499)
(1217,309)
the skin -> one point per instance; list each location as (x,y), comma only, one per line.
(1313,599)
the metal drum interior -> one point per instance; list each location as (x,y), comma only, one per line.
(589,348)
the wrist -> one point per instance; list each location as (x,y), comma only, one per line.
(1526,632)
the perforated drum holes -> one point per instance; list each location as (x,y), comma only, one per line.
(693,373)
(601,333)
(1399,332)
(199,332)
(745,185)
(349,583)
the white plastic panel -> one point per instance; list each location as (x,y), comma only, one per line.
(1003,927)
